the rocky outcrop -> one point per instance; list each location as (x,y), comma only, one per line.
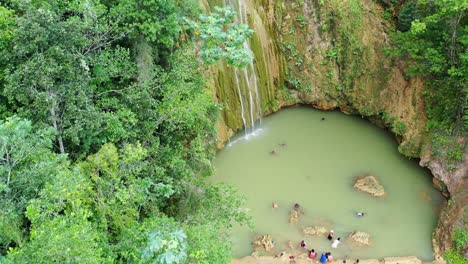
(314,230)
(263,243)
(361,238)
(370,185)
(294,216)
(455,183)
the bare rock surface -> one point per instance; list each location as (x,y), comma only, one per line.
(263,243)
(370,185)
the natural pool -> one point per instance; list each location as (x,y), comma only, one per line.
(315,164)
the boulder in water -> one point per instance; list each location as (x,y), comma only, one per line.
(370,185)
(263,243)
(293,216)
(360,237)
(314,230)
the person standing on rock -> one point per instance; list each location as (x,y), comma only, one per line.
(336,242)
(330,235)
(323,258)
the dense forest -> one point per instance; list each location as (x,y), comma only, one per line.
(107,126)
(106,137)
(433,37)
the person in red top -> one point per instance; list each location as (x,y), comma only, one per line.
(303,244)
(312,254)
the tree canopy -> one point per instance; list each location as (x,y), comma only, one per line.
(107,136)
(434,34)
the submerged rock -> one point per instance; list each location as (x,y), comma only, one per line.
(360,237)
(263,243)
(314,230)
(370,185)
(293,216)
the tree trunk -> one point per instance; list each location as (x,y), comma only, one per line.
(54,121)
(454,37)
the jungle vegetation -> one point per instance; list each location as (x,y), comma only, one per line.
(107,133)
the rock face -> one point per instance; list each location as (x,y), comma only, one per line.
(453,213)
(360,237)
(370,185)
(314,230)
(263,243)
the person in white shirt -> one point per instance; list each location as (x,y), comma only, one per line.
(335,243)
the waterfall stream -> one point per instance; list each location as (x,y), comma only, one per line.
(247,87)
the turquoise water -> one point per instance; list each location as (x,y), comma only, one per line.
(315,163)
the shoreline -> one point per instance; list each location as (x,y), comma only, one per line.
(303,259)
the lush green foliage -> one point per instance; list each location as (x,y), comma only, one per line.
(106,138)
(435,35)
(26,163)
(222,38)
(460,238)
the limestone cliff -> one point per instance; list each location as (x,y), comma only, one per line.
(331,55)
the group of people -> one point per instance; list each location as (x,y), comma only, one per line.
(326,257)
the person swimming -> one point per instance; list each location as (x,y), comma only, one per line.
(360,214)
(297,207)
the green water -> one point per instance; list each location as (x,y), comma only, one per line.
(317,168)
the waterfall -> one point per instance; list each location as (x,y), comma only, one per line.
(247,87)
(236,73)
